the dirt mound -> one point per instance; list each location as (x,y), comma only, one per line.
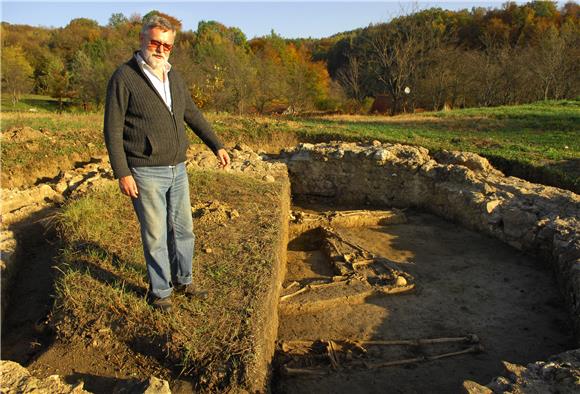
(22,134)
(213,212)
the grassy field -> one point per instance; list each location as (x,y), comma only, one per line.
(103,282)
(539,142)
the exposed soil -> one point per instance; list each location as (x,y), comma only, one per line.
(28,339)
(466,283)
(25,332)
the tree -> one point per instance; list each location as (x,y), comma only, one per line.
(270,84)
(88,79)
(58,80)
(225,76)
(118,19)
(350,77)
(16,72)
(546,62)
(398,51)
(308,82)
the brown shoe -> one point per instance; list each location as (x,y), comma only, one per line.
(191,291)
(161,304)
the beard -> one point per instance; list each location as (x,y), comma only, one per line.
(153,61)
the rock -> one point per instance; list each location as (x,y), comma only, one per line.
(560,374)
(475,388)
(152,385)
(517,223)
(14,200)
(76,180)
(467,159)
(17,380)
(401,281)
(269,178)
(156,386)
(382,155)
(490,206)
(61,187)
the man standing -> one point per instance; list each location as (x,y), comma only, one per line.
(146,106)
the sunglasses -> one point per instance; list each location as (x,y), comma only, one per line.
(154,44)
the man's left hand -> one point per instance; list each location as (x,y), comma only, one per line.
(223,157)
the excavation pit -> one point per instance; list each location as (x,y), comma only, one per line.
(480,250)
(466,283)
(490,256)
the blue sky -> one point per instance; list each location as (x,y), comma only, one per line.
(290,19)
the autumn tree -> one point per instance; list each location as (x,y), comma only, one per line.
(58,80)
(16,73)
(89,74)
(225,76)
(271,85)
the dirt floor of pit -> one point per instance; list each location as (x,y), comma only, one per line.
(466,283)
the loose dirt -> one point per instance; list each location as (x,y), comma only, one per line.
(466,283)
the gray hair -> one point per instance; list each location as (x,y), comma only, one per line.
(157,21)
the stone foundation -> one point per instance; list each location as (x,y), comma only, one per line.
(458,186)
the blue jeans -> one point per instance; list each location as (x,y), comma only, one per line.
(164,211)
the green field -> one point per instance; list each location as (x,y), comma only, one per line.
(539,142)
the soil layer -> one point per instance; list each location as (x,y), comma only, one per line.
(466,283)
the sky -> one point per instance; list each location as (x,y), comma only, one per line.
(290,19)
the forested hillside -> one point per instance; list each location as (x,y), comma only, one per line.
(426,60)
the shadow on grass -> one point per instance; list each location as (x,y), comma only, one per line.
(563,174)
(44,104)
(103,275)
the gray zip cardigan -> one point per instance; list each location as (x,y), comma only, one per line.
(140,131)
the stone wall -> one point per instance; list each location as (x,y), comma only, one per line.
(559,374)
(461,187)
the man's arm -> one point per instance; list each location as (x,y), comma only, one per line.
(115,109)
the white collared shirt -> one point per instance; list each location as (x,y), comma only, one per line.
(162,86)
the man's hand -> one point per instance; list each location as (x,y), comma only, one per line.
(128,186)
(223,157)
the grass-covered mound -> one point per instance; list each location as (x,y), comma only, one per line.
(221,343)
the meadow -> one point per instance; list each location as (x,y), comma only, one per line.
(538,142)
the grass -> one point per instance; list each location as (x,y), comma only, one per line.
(103,281)
(32,103)
(539,142)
